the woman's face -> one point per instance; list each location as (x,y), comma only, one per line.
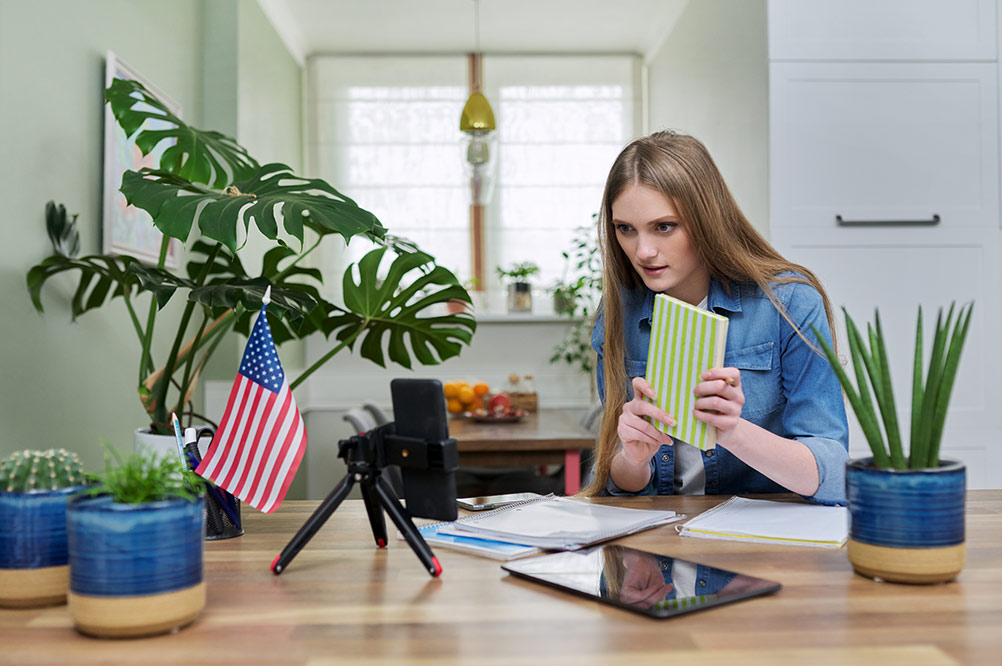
(654,238)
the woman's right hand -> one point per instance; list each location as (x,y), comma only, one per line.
(640,439)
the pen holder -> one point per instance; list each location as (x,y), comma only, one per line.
(218,522)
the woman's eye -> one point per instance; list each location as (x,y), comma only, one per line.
(623,228)
(665,227)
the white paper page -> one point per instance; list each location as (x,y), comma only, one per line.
(562,519)
(776,520)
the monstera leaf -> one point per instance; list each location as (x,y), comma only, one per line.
(101,279)
(393,312)
(195,155)
(273,196)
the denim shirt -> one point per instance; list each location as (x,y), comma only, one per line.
(790,389)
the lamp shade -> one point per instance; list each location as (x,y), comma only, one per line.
(477,115)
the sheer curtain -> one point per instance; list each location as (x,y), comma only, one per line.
(384,130)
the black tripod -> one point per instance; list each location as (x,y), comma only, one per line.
(366,455)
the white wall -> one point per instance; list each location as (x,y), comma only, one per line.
(710,78)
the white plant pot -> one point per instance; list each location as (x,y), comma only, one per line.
(162,445)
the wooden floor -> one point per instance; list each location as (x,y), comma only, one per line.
(343,601)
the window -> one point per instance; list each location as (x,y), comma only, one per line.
(384,131)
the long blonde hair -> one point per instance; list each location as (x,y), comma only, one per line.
(679,167)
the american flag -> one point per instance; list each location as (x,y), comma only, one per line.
(261,438)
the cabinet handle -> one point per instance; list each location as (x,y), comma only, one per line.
(886,223)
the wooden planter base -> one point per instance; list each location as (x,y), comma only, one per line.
(125,617)
(906,565)
(29,588)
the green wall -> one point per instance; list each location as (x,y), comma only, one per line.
(70,384)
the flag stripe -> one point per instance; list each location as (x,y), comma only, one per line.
(207,468)
(275,434)
(228,442)
(292,455)
(252,458)
(285,438)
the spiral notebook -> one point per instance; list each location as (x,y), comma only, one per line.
(685,342)
(768,521)
(558,523)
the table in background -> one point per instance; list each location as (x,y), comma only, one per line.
(541,438)
(344,601)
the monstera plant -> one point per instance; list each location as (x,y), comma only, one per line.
(208,187)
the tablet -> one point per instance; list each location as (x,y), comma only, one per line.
(654,585)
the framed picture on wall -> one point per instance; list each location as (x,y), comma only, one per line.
(127,229)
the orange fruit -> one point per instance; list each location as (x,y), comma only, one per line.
(454,406)
(450,389)
(466,395)
(481,388)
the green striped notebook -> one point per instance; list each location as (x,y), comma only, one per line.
(685,342)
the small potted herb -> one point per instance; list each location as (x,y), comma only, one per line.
(576,296)
(906,512)
(519,289)
(135,548)
(34,489)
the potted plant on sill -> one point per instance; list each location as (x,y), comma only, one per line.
(135,548)
(209,185)
(577,296)
(34,489)
(906,514)
(519,289)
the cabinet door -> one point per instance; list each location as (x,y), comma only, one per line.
(879,142)
(896,273)
(882,30)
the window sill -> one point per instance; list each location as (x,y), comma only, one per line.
(524,318)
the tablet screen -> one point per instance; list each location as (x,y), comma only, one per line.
(655,585)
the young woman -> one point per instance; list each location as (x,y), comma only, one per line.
(668,224)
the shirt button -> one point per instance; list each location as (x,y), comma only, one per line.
(709,454)
(702,582)
(664,458)
(712,482)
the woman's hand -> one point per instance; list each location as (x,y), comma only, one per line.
(643,583)
(640,439)
(719,398)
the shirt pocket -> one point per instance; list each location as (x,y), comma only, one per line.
(759,379)
(634,369)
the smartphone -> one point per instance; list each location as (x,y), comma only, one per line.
(484,502)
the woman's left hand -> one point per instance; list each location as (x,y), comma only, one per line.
(719,399)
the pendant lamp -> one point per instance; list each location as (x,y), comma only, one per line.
(477,125)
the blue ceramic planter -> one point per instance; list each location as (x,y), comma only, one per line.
(33,552)
(906,525)
(135,569)
(134,549)
(33,528)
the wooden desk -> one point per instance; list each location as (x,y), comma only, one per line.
(344,601)
(544,437)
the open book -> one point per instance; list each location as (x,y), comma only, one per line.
(766,521)
(685,342)
(558,523)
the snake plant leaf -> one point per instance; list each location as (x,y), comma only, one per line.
(865,413)
(918,389)
(888,409)
(392,313)
(101,279)
(917,458)
(274,199)
(950,365)
(198,156)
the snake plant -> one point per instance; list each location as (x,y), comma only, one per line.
(931,388)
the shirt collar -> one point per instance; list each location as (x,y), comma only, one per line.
(716,300)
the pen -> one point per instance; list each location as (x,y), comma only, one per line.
(177,436)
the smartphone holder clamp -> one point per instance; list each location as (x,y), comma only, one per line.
(422,462)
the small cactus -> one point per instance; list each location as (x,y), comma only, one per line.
(23,471)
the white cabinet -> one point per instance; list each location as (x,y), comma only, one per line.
(882,30)
(884,180)
(880,142)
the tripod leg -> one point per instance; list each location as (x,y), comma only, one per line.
(404,523)
(313,523)
(375,511)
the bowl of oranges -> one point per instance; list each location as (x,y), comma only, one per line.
(462,397)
